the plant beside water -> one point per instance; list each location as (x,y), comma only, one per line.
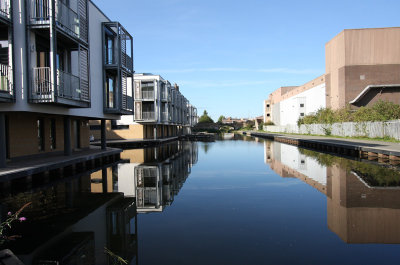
(7,224)
(380,111)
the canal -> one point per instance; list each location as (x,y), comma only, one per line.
(238,200)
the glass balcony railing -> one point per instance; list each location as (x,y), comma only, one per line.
(147,94)
(148,115)
(68,86)
(5,10)
(66,18)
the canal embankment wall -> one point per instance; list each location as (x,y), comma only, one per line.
(390,129)
(364,149)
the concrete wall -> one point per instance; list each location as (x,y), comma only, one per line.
(360,57)
(366,129)
(23,134)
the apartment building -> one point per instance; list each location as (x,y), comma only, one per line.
(160,111)
(362,66)
(63,63)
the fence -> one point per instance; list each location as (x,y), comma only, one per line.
(348,129)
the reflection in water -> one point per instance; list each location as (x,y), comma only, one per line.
(154,175)
(363,200)
(67,223)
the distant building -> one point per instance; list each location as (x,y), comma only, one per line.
(160,111)
(362,67)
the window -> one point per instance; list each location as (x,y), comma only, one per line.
(110,81)
(40,134)
(301,105)
(115,126)
(53,134)
(268,114)
(302,114)
(108,48)
(267,105)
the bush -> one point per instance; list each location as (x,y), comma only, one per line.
(380,111)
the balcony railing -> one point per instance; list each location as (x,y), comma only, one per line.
(164,95)
(42,86)
(6,80)
(5,10)
(164,116)
(66,18)
(68,86)
(148,115)
(147,94)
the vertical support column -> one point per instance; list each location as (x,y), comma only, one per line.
(67,136)
(103,135)
(155,132)
(3,143)
(104,179)
(53,48)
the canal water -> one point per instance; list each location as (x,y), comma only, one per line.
(238,200)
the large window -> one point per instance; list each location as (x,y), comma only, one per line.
(109,47)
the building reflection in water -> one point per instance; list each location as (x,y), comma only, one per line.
(152,176)
(363,199)
(68,223)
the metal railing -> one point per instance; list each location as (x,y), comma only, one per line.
(147,94)
(148,115)
(42,86)
(68,86)
(65,17)
(6,80)
(5,8)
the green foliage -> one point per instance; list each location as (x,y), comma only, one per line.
(221,118)
(205,118)
(269,123)
(6,225)
(380,111)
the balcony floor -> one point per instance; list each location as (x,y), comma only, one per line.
(18,167)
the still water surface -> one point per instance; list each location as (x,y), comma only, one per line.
(236,201)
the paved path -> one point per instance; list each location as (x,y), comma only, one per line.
(378,147)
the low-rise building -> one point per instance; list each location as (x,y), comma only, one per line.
(160,111)
(362,67)
(63,63)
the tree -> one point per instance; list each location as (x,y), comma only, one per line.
(222,117)
(205,118)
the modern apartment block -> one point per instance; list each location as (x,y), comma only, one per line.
(63,63)
(362,66)
(160,111)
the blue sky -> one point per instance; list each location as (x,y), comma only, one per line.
(228,55)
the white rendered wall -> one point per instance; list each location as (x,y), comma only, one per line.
(313,99)
(126,179)
(291,157)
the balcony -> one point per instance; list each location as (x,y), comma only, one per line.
(67,20)
(164,116)
(148,95)
(145,116)
(6,83)
(5,10)
(118,47)
(68,91)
